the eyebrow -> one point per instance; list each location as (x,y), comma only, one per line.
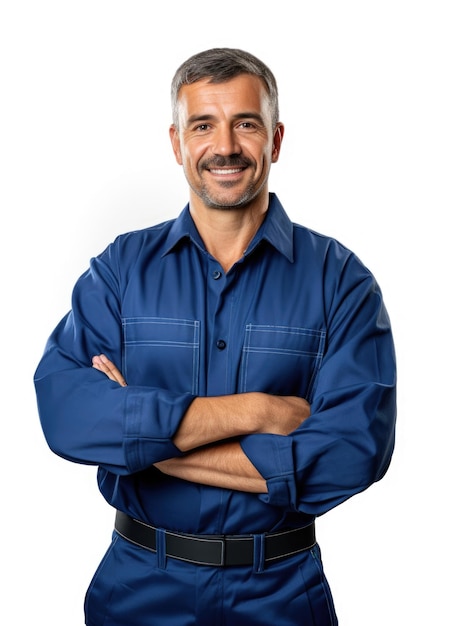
(243,115)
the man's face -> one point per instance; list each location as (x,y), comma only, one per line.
(225,140)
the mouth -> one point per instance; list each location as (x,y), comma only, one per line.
(226,172)
(227,168)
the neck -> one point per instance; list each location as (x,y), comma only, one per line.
(227,232)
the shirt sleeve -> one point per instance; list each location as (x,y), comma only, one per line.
(87,418)
(347,442)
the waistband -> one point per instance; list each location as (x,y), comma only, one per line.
(217,550)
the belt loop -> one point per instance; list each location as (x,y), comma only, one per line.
(161,546)
(258,553)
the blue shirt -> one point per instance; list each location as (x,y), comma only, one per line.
(299,314)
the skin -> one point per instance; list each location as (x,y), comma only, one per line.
(226,144)
(225,141)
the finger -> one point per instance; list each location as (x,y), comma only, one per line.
(110,369)
(102,363)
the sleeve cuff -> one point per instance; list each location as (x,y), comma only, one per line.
(272,455)
(150,427)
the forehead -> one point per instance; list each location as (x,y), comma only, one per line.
(244,93)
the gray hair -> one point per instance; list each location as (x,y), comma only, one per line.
(220,65)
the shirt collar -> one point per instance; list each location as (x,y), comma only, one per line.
(277,229)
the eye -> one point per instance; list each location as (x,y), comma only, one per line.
(202,128)
(249,126)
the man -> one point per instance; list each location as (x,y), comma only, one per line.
(249,380)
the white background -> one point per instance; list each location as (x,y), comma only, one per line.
(376,101)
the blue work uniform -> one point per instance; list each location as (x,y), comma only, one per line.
(299,314)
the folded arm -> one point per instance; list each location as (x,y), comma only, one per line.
(209,423)
(221,465)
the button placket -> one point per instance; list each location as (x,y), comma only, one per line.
(220,303)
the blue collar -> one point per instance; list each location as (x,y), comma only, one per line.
(277,229)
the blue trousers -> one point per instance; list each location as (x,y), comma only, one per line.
(136,587)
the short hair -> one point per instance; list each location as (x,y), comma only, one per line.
(220,65)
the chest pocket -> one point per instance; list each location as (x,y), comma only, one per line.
(281,360)
(162,352)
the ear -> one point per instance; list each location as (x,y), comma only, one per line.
(175,140)
(277,139)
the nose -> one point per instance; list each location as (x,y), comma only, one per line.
(226,142)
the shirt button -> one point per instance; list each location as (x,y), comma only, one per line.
(216,274)
(221,344)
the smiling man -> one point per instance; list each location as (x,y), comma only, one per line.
(231,375)
(226,139)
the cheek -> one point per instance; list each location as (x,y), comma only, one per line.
(266,158)
(193,153)
(261,154)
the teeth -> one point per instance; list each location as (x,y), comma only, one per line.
(223,172)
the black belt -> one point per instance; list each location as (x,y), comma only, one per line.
(220,550)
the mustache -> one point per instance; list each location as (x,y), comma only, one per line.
(229,161)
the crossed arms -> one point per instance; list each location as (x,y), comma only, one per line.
(208,428)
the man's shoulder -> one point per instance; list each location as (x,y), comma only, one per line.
(127,247)
(334,258)
(154,232)
(319,242)
(154,235)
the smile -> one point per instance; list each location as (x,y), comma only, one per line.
(227,171)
